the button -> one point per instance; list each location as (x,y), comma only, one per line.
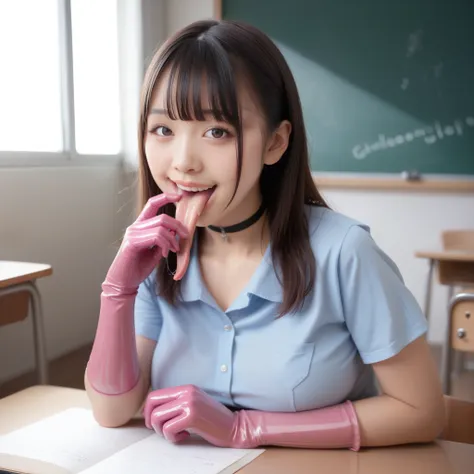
(227,327)
(223,368)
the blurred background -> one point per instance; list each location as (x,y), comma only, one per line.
(69,89)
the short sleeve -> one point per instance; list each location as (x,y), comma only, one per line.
(381,314)
(148,319)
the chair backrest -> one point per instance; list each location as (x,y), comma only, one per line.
(461,322)
(459,420)
(458,239)
(14,307)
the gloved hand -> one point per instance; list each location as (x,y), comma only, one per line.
(175,412)
(113,364)
(146,241)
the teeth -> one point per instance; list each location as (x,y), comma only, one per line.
(194,190)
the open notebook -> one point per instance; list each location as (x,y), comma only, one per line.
(72,440)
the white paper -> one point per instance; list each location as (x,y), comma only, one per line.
(155,454)
(72,439)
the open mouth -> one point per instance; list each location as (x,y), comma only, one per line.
(194,199)
(192,190)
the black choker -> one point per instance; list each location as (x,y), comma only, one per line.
(240,226)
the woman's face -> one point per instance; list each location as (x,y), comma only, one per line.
(195,155)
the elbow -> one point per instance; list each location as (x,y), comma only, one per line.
(111,411)
(433,423)
(110,420)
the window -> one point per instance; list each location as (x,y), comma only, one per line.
(59,86)
(96,94)
(30,114)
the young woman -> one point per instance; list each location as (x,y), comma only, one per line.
(257,315)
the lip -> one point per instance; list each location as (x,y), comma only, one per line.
(191,184)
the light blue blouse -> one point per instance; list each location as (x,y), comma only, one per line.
(359,312)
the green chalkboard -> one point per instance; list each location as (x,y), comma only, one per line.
(386,86)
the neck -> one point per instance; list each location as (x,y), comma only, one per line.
(243,242)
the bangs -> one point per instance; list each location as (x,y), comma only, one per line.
(201,83)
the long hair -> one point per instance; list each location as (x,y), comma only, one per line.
(221,52)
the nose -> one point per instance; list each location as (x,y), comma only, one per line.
(186,157)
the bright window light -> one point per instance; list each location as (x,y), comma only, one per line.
(30,100)
(96,86)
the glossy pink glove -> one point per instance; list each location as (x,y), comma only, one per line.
(113,365)
(175,412)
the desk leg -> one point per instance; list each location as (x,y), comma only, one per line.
(428,289)
(38,328)
(446,362)
(39,337)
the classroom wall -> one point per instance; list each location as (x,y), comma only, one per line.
(180,13)
(401,222)
(67,217)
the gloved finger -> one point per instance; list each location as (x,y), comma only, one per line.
(175,429)
(165,221)
(149,238)
(153,402)
(163,396)
(155,203)
(163,414)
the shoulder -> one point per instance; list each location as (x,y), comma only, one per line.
(332,231)
(344,241)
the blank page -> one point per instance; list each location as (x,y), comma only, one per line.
(157,455)
(72,439)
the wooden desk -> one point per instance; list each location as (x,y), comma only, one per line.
(452,262)
(442,457)
(17,277)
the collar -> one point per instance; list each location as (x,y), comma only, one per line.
(264,283)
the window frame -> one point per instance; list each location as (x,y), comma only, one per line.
(68,156)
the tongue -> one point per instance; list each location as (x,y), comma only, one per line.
(188,210)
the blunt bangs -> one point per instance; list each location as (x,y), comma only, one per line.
(199,66)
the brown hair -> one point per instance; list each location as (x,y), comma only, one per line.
(220,51)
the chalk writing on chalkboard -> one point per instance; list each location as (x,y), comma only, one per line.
(430,136)
(415,43)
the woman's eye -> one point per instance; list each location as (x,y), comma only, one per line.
(163,131)
(216,133)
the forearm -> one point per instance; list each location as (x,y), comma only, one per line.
(116,410)
(113,364)
(326,428)
(386,421)
(377,421)
(113,380)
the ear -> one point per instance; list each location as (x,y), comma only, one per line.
(278,143)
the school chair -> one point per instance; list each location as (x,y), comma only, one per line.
(459,334)
(459,420)
(458,278)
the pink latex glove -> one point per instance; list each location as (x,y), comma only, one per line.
(175,412)
(113,365)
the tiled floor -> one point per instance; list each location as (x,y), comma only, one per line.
(68,371)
